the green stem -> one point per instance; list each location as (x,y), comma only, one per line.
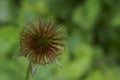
(28,72)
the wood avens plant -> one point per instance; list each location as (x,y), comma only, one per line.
(41,40)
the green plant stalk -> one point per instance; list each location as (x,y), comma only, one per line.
(28,72)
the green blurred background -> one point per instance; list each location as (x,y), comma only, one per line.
(92,28)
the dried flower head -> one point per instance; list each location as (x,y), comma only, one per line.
(41,41)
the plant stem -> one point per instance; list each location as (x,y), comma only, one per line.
(28,72)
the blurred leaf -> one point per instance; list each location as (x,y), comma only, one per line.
(87,14)
(8,37)
(115,21)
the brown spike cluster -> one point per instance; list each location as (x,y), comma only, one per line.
(41,41)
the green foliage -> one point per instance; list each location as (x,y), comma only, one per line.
(92,28)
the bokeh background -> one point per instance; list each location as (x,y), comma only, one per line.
(92,28)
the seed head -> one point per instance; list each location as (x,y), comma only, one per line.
(41,41)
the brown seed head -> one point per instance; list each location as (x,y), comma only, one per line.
(41,41)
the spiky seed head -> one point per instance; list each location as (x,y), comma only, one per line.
(41,41)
